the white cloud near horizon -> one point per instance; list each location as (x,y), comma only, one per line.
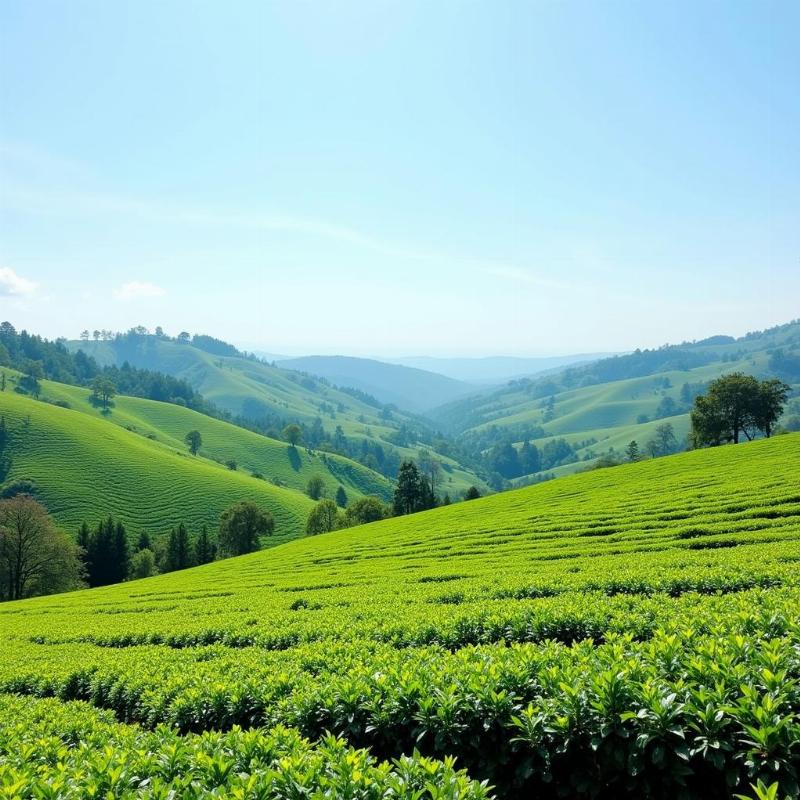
(138,290)
(13,285)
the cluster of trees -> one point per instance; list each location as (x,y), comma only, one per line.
(35,556)
(39,358)
(508,462)
(737,406)
(415,492)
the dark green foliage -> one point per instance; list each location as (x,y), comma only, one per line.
(663,442)
(35,557)
(103,389)
(293,434)
(737,405)
(316,487)
(413,492)
(179,551)
(20,486)
(341,497)
(472,493)
(324,517)
(39,358)
(105,552)
(194,441)
(364,510)
(143,542)
(205,549)
(241,527)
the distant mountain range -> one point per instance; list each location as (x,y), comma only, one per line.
(409,388)
(494,369)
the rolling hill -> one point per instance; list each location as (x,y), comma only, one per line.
(493,370)
(549,636)
(416,390)
(133,464)
(608,403)
(270,396)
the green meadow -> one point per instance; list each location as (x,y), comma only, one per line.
(86,467)
(625,632)
(254,389)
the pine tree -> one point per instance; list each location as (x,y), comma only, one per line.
(122,554)
(341,497)
(205,550)
(413,493)
(178,555)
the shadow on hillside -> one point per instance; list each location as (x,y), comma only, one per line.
(294,457)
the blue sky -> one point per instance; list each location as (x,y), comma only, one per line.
(400,178)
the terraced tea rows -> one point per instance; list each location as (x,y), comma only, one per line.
(628,632)
(85,467)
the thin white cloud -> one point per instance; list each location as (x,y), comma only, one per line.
(13,285)
(138,290)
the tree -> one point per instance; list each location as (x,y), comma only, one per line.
(183,337)
(473,493)
(33,372)
(663,442)
(770,402)
(412,493)
(365,510)
(35,557)
(194,441)
(632,451)
(324,517)
(103,389)
(429,468)
(240,527)
(737,404)
(504,459)
(293,434)
(205,550)
(341,497)
(530,459)
(105,552)
(143,564)
(122,552)
(84,336)
(178,555)
(316,487)
(143,542)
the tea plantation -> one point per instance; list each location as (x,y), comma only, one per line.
(629,632)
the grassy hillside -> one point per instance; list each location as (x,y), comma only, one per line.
(596,413)
(86,467)
(275,461)
(593,633)
(409,388)
(266,394)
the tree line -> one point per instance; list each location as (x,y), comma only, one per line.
(36,557)
(415,492)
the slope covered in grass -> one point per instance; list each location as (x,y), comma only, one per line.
(406,387)
(272,396)
(276,461)
(604,405)
(86,468)
(628,632)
